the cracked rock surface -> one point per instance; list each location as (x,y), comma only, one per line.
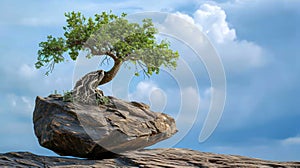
(98,131)
(151,158)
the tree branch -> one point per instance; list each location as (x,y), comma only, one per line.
(115,58)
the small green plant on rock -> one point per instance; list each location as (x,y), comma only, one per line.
(68,97)
(103,100)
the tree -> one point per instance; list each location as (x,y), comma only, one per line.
(109,36)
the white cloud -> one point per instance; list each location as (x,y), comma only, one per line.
(158,100)
(29,104)
(192,98)
(20,105)
(186,117)
(241,55)
(189,109)
(291,141)
(13,103)
(149,92)
(212,20)
(27,71)
(143,91)
(237,55)
(185,17)
(208,92)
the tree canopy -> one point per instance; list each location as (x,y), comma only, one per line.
(111,36)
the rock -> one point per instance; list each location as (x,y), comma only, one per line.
(90,131)
(176,158)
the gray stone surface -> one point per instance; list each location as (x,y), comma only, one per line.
(90,131)
(155,158)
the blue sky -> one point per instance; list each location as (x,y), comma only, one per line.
(257,41)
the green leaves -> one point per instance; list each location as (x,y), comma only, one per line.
(77,31)
(110,35)
(51,52)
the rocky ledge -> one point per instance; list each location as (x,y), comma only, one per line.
(151,158)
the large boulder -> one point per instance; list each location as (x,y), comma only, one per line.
(98,131)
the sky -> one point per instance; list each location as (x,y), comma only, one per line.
(257,42)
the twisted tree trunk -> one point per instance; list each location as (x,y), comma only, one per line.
(85,89)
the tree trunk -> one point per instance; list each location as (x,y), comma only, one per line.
(109,75)
(85,89)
